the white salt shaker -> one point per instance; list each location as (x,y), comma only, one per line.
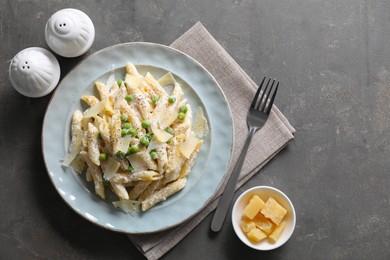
(34,72)
(69,32)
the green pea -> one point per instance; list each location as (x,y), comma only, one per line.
(128,98)
(127,125)
(144,141)
(181,115)
(172,99)
(153,155)
(124,132)
(132,149)
(102,156)
(120,155)
(155,99)
(133,132)
(169,130)
(149,136)
(106,182)
(124,117)
(119,82)
(130,169)
(169,141)
(183,109)
(99,136)
(145,124)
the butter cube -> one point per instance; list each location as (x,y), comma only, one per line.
(278,230)
(247,225)
(263,223)
(273,210)
(256,235)
(254,206)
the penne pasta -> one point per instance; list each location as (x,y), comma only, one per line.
(137,176)
(155,185)
(155,85)
(131,69)
(138,189)
(163,194)
(143,105)
(90,100)
(93,147)
(186,169)
(76,140)
(88,175)
(120,190)
(96,174)
(115,132)
(175,160)
(136,138)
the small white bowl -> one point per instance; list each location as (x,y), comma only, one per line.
(264,192)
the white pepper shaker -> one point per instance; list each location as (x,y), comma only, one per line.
(69,32)
(34,72)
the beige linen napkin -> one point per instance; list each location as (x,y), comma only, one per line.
(239,90)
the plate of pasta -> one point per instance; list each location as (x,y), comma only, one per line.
(137,137)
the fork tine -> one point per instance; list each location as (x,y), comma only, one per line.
(262,95)
(257,93)
(264,103)
(272,99)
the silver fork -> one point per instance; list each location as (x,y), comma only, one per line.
(256,118)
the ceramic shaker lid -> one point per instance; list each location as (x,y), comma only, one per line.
(69,32)
(34,72)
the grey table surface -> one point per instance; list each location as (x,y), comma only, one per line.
(333,60)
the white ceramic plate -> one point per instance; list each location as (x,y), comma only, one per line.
(200,89)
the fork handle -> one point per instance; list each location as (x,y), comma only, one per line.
(227,195)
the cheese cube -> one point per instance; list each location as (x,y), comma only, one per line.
(278,230)
(247,225)
(263,223)
(256,235)
(273,210)
(254,206)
